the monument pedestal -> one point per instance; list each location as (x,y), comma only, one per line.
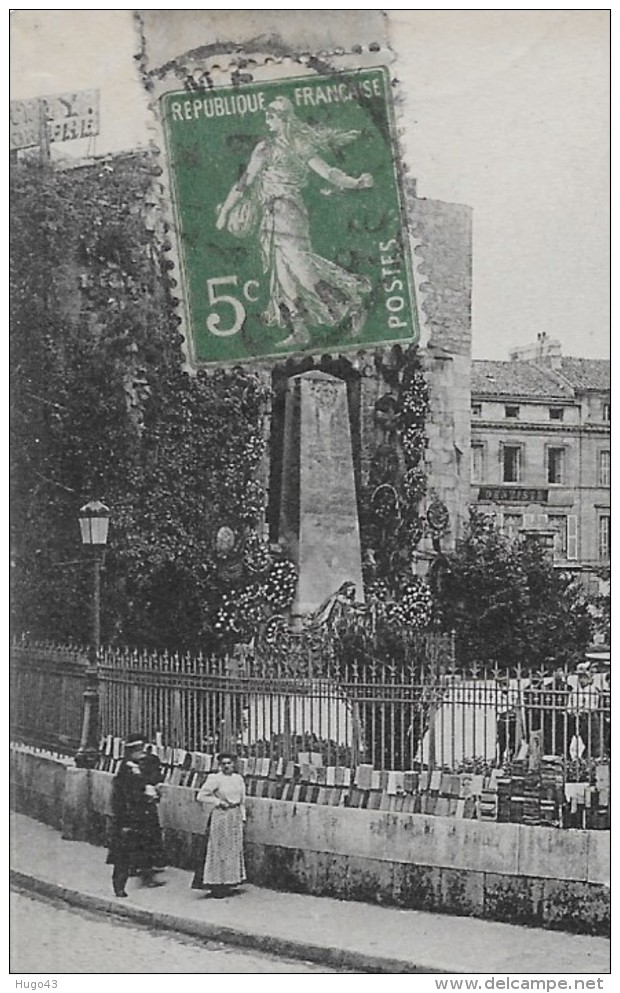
(319,523)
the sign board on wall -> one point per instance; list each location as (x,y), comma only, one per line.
(67,116)
(288,216)
(512,494)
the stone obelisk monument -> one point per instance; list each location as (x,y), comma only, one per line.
(319,523)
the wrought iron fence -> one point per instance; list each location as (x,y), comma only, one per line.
(47,684)
(425,714)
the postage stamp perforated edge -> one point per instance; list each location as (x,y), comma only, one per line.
(223,70)
(283,228)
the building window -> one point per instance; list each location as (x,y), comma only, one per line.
(511,410)
(604,537)
(559,523)
(604,468)
(556,413)
(565,543)
(477,463)
(512,463)
(476,410)
(555,465)
(512,524)
(606,411)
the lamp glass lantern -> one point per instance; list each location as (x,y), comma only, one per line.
(94,522)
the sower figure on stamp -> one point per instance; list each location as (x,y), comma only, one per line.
(133,849)
(220,864)
(304,289)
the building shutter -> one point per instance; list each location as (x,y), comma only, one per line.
(571,536)
(528,521)
(542,520)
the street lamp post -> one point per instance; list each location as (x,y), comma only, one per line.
(94,521)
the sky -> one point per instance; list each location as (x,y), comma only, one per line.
(506,111)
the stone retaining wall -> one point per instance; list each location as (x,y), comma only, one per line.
(505,872)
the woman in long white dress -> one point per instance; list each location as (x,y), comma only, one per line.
(305,290)
(224,795)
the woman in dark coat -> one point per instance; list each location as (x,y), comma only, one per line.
(133,846)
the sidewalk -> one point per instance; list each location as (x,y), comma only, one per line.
(356,936)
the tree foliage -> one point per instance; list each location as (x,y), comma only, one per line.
(601,605)
(101,409)
(507,603)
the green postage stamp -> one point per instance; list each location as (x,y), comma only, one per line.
(289,219)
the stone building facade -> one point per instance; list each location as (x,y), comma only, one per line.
(442,235)
(540,450)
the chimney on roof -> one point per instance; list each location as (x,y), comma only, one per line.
(546,351)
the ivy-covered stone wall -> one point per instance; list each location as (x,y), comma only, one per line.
(100,408)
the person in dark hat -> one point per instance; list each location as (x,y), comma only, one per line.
(132,850)
(509,720)
(150,767)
